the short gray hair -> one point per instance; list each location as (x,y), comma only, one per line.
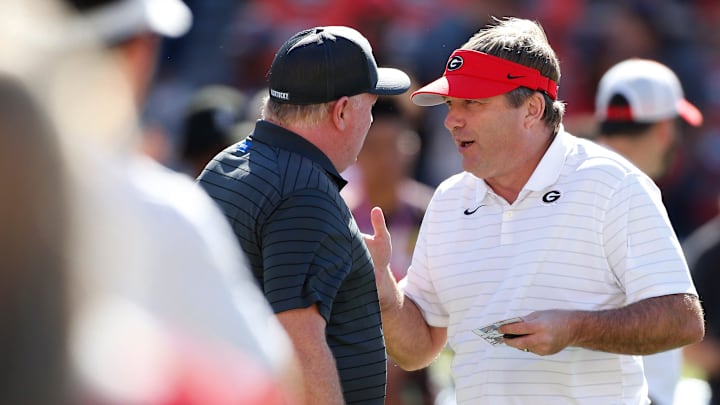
(523,42)
(304,116)
(295,114)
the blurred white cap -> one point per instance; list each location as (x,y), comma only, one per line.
(652,90)
(122,19)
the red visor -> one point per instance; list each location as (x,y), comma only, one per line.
(472,75)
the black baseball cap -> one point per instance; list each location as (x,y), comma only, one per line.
(210,119)
(322,64)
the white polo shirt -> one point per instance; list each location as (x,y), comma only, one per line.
(587,232)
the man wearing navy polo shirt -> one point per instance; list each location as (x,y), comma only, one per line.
(279,188)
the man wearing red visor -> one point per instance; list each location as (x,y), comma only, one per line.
(549,265)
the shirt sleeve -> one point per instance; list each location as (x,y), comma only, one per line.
(642,248)
(418,284)
(306,249)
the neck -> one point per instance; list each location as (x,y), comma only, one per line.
(323,136)
(509,187)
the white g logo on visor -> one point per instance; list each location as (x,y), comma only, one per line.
(454,63)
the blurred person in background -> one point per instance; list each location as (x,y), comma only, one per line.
(382,177)
(162,305)
(280,189)
(702,249)
(209,125)
(680,35)
(34,273)
(639,105)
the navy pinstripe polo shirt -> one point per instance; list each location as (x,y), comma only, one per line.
(281,195)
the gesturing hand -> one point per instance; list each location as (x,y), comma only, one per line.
(379,244)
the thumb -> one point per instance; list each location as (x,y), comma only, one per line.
(377,218)
(379,244)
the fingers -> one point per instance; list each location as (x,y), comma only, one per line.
(520,342)
(512,336)
(516,328)
(517,334)
(542,332)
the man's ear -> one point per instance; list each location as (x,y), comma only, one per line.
(339,112)
(535,108)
